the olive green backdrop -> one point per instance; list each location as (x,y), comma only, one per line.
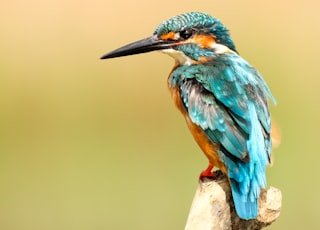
(90,144)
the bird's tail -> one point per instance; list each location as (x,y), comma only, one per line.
(246,207)
(247,178)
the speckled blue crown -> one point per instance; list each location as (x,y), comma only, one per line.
(198,21)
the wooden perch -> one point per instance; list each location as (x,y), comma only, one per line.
(213,209)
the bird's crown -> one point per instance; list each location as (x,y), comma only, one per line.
(184,26)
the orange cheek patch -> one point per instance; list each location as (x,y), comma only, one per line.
(203,40)
(168,36)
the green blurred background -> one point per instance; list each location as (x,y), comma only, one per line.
(91,144)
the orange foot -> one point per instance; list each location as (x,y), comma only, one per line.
(207,173)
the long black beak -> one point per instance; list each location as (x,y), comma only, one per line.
(143,46)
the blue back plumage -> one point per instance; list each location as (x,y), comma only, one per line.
(227,98)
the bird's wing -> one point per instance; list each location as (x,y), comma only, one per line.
(224,97)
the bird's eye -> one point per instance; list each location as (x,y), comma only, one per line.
(185,34)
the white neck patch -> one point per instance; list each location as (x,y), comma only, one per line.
(220,49)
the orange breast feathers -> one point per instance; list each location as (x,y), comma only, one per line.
(210,149)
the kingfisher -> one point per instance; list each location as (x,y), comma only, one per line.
(223,99)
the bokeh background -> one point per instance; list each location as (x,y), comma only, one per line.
(91,144)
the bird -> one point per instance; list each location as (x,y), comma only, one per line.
(223,98)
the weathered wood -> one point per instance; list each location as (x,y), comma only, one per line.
(213,209)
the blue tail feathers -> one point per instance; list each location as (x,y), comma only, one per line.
(246,208)
(247,178)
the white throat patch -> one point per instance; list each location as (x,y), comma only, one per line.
(179,56)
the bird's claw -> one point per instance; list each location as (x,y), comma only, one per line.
(207,173)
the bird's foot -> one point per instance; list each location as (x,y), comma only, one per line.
(207,173)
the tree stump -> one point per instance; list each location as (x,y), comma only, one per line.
(213,208)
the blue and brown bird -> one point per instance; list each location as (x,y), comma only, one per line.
(222,97)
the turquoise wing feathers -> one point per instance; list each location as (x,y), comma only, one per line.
(228,99)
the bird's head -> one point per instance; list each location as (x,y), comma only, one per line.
(189,38)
